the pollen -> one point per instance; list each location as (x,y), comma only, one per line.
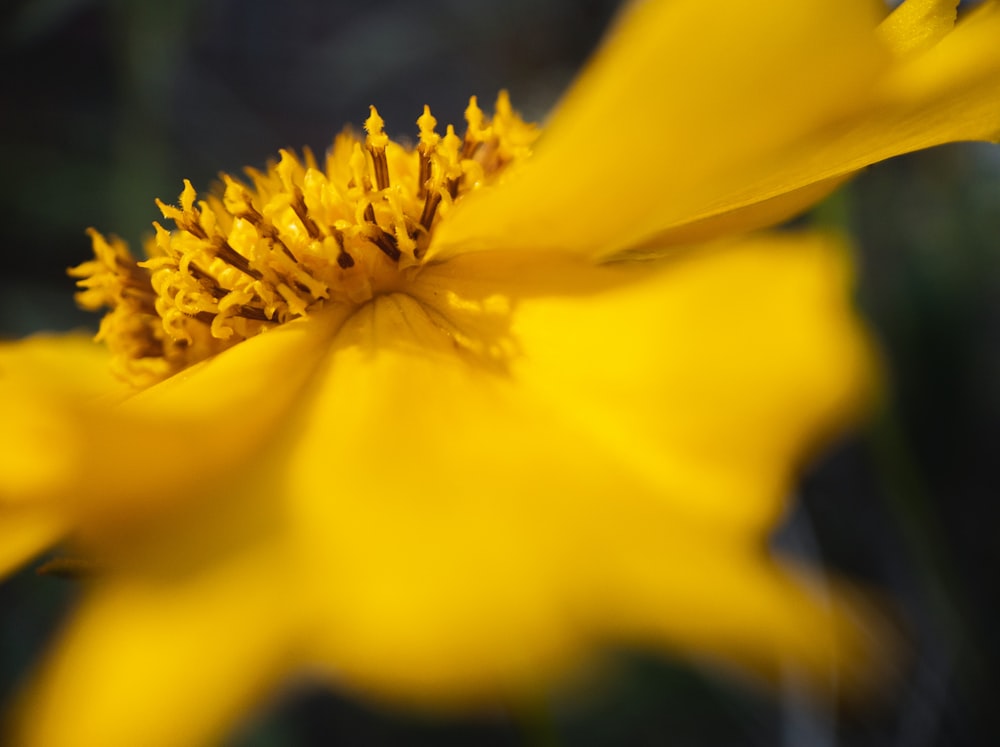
(282,243)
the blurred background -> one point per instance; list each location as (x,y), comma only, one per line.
(106,104)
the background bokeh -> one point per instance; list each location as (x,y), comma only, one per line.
(105,104)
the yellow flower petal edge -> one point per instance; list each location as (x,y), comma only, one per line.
(36,392)
(670,118)
(178,664)
(25,532)
(146,448)
(706,369)
(694,126)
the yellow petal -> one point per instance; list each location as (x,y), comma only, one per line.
(733,127)
(735,608)
(672,373)
(949,92)
(438,522)
(73,363)
(751,217)
(160,662)
(172,442)
(190,623)
(458,503)
(429,497)
(41,379)
(916,25)
(662,126)
(944,92)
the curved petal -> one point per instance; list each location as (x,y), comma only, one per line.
(754,139)
(448,507)
(429,497)
(165,662)
(40,378)
(182,437)
(671,374)
(948,93)
(751,217)
(946,89)
(735,608)
(72,362)
(192,621)
(682,99)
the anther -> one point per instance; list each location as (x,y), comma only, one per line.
(388,244)
(227,254)
(265,229)
(381,167)
(344,260)
(230,264)
(430,207)
(250,213)
(298,204)
(249,312)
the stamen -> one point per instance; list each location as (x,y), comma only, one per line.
(449,148)
(376,142)
(237,260)
(475,132)
(430,207)
(298,204)
(186,220)
(388,244)
(428,142)
(264,228)
(249,312)
(359,170)
(296,237)
(344,260)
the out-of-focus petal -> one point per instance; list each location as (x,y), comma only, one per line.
(735,607)
(948,91)
(71,363)
(430,496)
(682,102)
(672,373)
(171,651)
(726,152)
(159,447)
(751,217)
(42,379)
(456,500)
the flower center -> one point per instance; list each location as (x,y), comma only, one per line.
(302,234)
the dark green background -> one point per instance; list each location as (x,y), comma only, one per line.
(105,105)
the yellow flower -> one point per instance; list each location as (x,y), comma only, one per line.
(417,422)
